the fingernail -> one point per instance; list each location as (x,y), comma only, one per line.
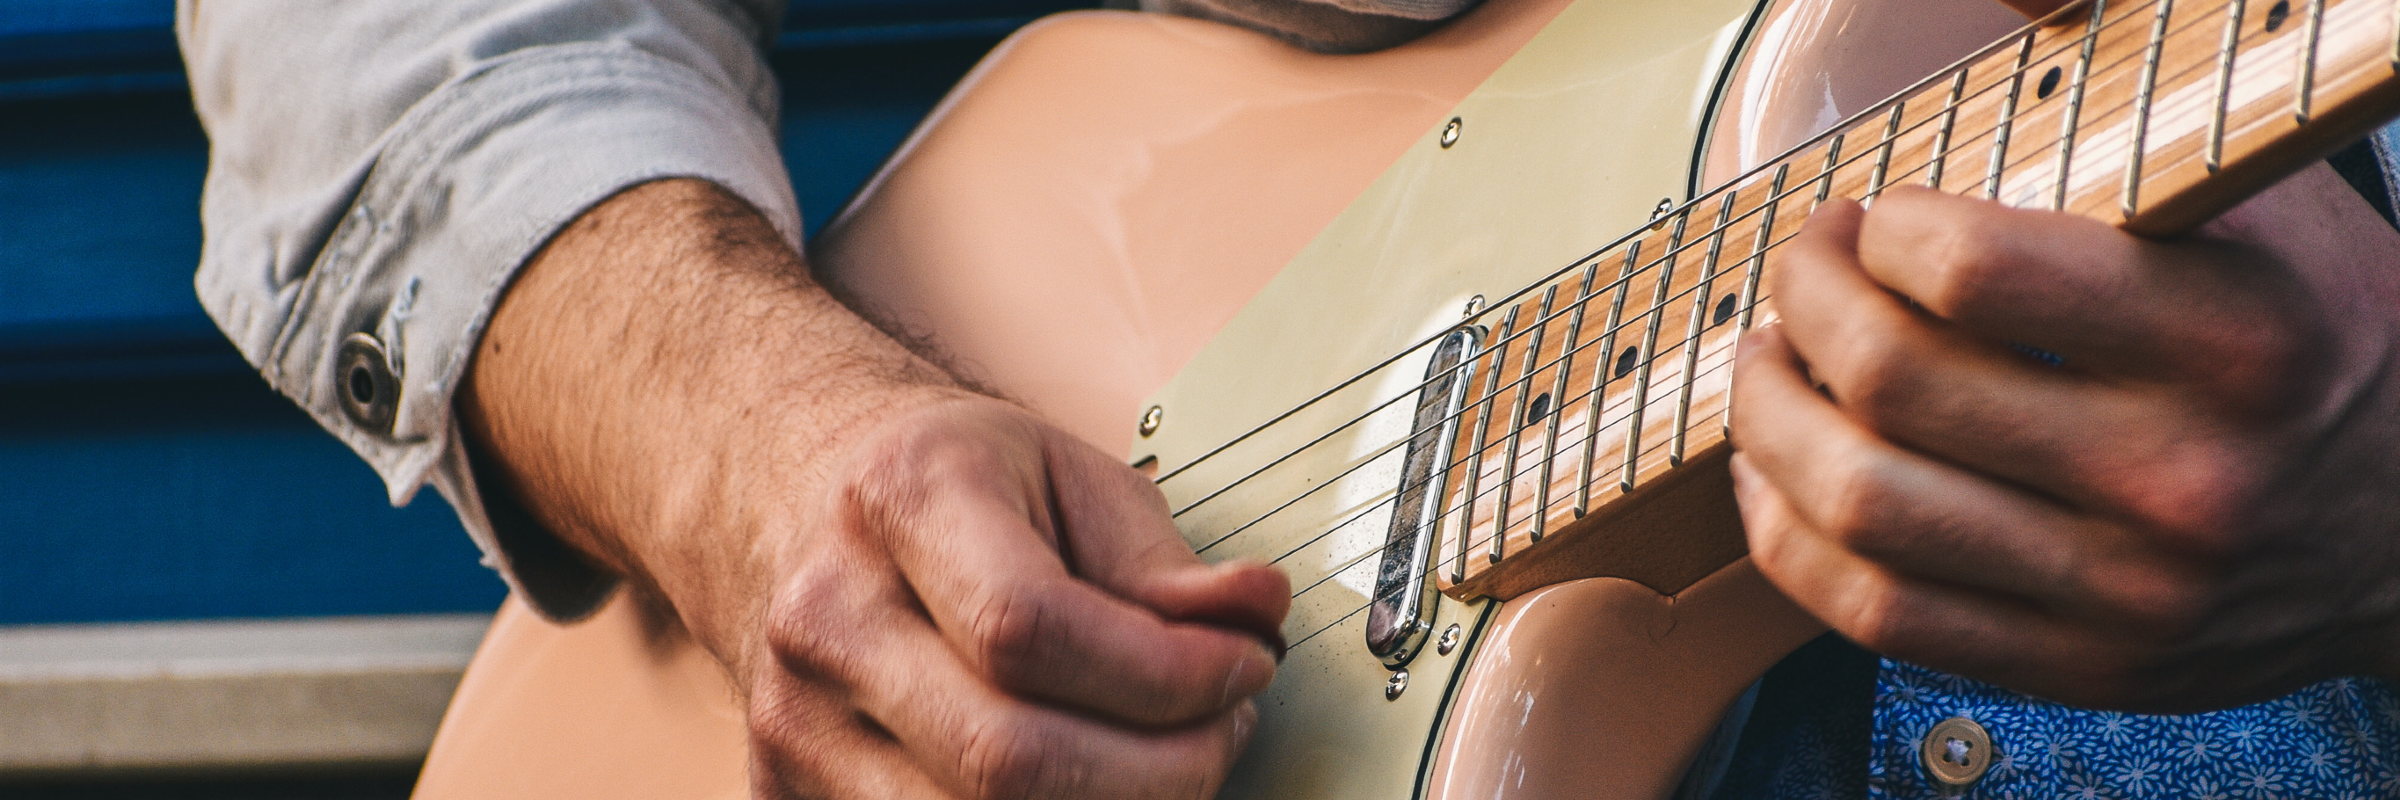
(1245,718)
(1256,660)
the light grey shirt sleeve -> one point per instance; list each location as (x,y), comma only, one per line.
(379,171)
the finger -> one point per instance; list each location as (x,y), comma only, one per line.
(983,743)
(1942,626)
(806,741)
(2102,299)
(1934,388)
(1116,524)
(1920,517)
(2036,9)
(978,554)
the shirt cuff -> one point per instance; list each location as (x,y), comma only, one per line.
(469,184)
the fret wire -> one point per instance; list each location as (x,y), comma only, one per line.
(2226,52)
(1833,161)
(1558,395)
(1221,448)
(1751,300)
(1883,152)
(1491,388)
(1941,136)
(2008,119)
(1758,260)
(1701,294)
(1465,543)
(1633,268)
(1602,373)
(2308,62)
(2074,110)
(1750,305)
(2141,107)
(1747,307)
(1516,422)
(1648,355)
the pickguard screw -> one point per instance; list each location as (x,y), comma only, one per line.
(1474,306)
(1151,419)
(1449,640)
(1658,213)
(1450,132)
(1399,683)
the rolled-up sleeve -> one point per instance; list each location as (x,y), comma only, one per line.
(379,171)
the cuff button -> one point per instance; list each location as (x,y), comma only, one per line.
(370,394)
(1957,752)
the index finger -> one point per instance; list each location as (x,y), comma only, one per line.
(2103,300)
(974,542)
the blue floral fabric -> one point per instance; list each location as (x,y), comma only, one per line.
(2336,739)
(1834,722)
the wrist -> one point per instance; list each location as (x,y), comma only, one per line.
(664,388)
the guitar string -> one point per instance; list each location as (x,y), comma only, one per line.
(1437,565)
(1971,141)
(1963,64)
(1610,422)
(1639,318)
(1523,385)
(1353,562)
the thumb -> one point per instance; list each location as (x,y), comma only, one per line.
(1116,531)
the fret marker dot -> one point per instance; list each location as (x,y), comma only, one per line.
(2049,84)
(1625,361)
(1725,309)
(2275,16)
(1538,409)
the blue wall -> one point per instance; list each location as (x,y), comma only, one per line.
(145,473)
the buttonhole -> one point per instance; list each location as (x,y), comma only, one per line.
(362,385)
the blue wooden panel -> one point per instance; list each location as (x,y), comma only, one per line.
(148,474)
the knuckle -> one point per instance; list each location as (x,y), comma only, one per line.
(1856,502)
(2195,501)
(1007,628)
(1879,380)
(2264,367)
(1002,758)
(1873,617)
(1967,263)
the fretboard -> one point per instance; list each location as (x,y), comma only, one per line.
(1607,385)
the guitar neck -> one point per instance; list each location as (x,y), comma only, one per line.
(1603,391)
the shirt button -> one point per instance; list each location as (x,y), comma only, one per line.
(1957,752)
(370,394)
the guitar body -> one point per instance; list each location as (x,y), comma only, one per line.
(1120,211)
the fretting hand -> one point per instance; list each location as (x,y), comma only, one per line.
(2197,509)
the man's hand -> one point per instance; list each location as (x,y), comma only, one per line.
(2198,507)
(923,591)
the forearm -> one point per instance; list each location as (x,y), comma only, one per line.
(643,366)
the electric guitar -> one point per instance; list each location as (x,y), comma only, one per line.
(1446,330)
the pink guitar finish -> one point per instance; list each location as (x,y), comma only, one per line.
(1071,225)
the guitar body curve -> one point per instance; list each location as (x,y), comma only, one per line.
(1116,211)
